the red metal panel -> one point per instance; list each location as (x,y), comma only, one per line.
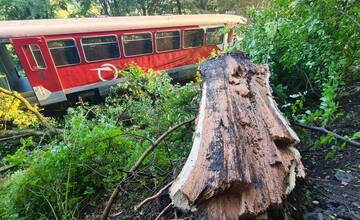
(73,76)
(67,77)
(48,78)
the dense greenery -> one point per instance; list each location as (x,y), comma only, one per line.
(25,9)
(72,172)
(311,46)
(313,49)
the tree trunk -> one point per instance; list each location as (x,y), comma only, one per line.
(243,159)
(104,5)
(178,5)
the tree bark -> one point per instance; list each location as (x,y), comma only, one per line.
(243,159)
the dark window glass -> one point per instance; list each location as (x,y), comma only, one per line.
(214,36)
(137,44)
(39,60)
(193,38)
(100,48)
(169,40)
(64,52)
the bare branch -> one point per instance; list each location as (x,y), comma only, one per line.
(325,131)
(16,134)
(136,166)
(350,17)
(163,211)
(138,206)
(6,168)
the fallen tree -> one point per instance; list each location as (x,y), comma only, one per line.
(243,159)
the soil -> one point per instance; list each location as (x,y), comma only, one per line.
(331,188)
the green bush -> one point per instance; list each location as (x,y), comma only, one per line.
(312,48)
(72,173)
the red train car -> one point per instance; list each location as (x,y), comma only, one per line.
(65,57)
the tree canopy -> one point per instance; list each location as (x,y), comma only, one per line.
(36,9)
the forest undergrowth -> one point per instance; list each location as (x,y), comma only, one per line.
(313,51)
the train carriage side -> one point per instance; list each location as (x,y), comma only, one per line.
(59,66)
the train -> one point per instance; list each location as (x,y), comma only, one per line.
(64,58)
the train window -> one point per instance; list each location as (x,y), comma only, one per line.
(64,52)
(137,44)
(100,48)
(167,41)
(37,55)
(193,38)
(214,36)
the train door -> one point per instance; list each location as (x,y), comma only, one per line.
(40,69)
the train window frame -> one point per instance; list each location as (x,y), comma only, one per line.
(96,36)
(189,29)
(133,33)
(34,58)
(213,27)
(59,39)
(170,30)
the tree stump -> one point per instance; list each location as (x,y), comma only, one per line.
(243,159)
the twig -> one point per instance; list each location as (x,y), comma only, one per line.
(186,218)
(350,17)
(136,166)
(139,173)
(163,211)
(308,81)
(117,214)
(137,207)
(324,130)
(139,136)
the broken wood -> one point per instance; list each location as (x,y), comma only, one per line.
(137,164)
(243,159)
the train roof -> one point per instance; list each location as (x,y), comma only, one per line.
(28,28)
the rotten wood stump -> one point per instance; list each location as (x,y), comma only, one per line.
(243,159)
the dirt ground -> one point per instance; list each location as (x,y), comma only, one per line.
(331,189)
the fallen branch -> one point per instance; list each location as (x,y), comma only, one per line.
(16,134)
(163,211)
(137,207)
(6,168)
(31,108)
(325,131)
(136,166)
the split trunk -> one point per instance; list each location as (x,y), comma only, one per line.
(243,159)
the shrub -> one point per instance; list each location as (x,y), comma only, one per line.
(66,177)
(312,48)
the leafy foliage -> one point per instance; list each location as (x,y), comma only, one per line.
(101,142)
(25,9)
(12,114)
(312,48)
